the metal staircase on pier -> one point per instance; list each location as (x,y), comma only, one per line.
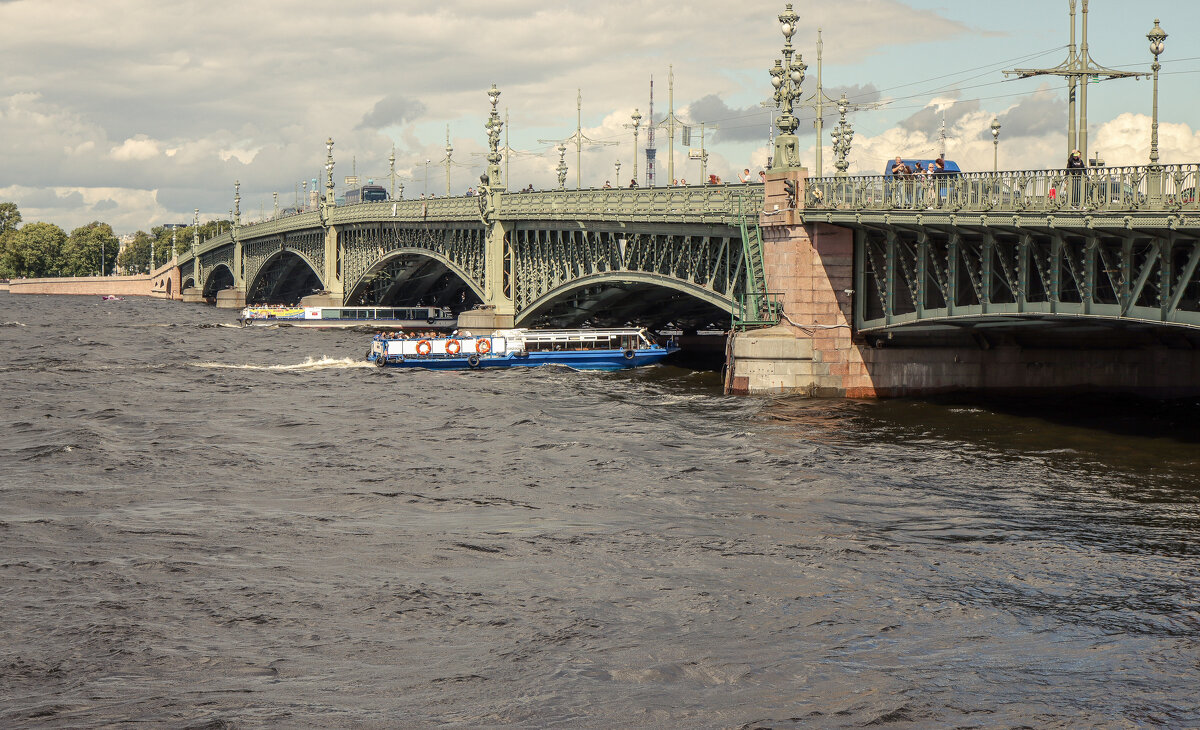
(756,307)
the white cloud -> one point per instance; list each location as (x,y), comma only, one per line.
(135,148)
(1126,141)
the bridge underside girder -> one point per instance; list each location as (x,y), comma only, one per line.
(919,278)
(285,279)
(413,279)
(220,278)
(627,303)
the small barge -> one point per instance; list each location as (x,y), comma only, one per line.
(582,349)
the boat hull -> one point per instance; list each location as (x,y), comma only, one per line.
(588,360)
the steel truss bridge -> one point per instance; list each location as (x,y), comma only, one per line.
(968,251)
(657,256)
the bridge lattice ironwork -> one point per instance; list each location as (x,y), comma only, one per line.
(953,275)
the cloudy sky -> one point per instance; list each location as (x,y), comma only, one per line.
(136,112)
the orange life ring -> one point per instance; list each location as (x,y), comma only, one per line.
(452,347)
(483,347)
(424,347)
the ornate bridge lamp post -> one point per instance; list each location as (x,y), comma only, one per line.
(562,166)
(617,166)
(1157,37)
(786,77)
(843,135)
(637,123)
(490,183)
(995,145)
(237,202)
(494,126)
(392,172)
(329,195)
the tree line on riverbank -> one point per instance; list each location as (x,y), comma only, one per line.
(43,249)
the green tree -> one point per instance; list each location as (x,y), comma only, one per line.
(6,271)
(10,217)
(34,250)
(183,242)
(81,254)
(136,256)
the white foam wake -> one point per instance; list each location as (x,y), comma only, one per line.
(325,363)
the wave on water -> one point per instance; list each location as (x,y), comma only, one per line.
(325,363)
(14,324)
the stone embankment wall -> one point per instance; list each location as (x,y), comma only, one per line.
(163,284)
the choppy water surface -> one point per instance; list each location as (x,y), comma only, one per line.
(206,526)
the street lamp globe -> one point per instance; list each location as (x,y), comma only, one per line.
(1156,36)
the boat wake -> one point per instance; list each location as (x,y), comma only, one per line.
(325,363)
(15,324)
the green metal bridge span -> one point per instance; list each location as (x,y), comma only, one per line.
(655,255)
(971,250)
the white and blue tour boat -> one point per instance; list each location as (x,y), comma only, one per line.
(582,349)
(374,317)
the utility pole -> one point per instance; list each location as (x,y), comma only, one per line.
(669,123)
(942,136)
(817,103)
(1078,70)
(449,152)
(578,138)
(704,153)
(650,151)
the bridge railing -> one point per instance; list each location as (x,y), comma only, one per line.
(1164,189)
(693,203)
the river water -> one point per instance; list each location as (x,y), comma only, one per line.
(204,526)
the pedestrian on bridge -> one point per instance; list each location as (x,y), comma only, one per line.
(1075,168)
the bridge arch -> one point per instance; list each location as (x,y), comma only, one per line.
(188,282)
(384,279)
(218,278)
(611,298)
(285,276)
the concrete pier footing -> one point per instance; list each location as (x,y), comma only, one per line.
(484,320)
(232,298)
